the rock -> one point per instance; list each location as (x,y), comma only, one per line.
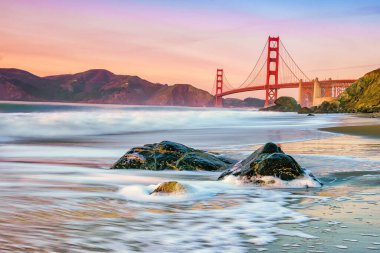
(310,114)
(269,160)
(284,104)
(327,107)
(169,188)
(168,155)
(305,110)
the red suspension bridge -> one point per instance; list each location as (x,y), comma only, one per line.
(275,69)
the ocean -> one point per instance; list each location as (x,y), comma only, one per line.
(57,193)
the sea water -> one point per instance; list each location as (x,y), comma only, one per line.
(57,193)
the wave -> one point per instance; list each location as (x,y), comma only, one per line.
(142,119)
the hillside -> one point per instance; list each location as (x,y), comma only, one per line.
(181,95)
(363,95)
(247,102)
(97,86)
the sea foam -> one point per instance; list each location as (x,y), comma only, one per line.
(139,119)
(218,216)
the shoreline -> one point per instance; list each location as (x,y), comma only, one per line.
(343,212)
(372,131)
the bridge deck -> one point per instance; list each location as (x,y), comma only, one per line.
(342,83)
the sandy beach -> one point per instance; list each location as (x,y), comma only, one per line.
(367,130)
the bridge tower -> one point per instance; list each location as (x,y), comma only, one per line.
(218,102)
(272,70)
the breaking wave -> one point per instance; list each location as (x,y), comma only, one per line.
(141,119)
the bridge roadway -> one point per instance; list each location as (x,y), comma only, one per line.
(336,83)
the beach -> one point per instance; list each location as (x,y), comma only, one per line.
(367,130)
(58,194)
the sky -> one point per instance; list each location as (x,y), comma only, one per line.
(172,41)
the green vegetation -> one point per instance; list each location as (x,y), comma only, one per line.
(284,104)
(362,96)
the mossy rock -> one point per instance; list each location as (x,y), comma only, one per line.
(284,104)
(305,110)
(269,160)
(168,155)
(171,187)
(201,161)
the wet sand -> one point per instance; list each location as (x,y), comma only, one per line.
(367,131)
(345,211)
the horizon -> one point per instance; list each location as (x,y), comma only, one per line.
(172,42)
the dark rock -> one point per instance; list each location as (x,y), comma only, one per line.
(327,107)
(171,187)
(305,110)
(269,160)
(168,155)
(284,104)
(310,114)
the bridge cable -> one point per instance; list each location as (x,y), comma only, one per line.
(289,67)
(294,61)
(227,82)
(257,62)
(258,73)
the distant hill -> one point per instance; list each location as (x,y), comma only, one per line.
(97,86)
(248,102)
(103,86)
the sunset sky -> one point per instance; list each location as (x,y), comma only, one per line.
(172,42)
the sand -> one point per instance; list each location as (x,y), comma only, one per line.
(372,131)
(346,210)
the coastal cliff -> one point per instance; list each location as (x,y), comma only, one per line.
(362,96)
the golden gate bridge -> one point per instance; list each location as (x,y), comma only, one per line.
(275,69)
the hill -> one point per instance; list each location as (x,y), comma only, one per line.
(361,96)
(97,86)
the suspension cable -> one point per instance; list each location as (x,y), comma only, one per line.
(254,79)
(257,62)
(282,44)
(288,67)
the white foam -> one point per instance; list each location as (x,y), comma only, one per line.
(138,119)
(204,221)
(194,191)
(305,181)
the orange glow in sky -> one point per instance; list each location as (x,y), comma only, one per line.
(181,42)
